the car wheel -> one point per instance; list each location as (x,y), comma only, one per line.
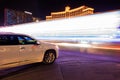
(49,57)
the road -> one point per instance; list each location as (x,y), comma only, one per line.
(72,64)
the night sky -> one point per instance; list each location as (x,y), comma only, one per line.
(42,8)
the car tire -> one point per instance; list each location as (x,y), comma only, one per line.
(49,57)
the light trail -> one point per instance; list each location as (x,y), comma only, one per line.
(103,25)
(106,47)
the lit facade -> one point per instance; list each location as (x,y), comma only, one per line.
(13,17)
(10,17)
(80,11)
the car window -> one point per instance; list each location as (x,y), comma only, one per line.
(3,40)
(21,40)
(8,40)
(26,40)
(29,40)
(13,40)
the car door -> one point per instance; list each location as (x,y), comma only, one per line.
(29,50)
(9,50)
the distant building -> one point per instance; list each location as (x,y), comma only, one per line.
(12,17)
(80,11)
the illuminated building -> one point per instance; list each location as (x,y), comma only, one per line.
(80,11)
(13,17)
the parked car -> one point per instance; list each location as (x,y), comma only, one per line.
(20,49)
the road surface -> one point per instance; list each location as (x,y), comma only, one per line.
(72,64)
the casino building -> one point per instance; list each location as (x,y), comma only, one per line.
(80,11)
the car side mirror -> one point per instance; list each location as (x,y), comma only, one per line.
(37,43)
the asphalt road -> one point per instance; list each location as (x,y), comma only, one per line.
(72,64)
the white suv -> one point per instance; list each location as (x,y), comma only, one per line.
(20,49)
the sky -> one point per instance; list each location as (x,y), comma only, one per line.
(42,8)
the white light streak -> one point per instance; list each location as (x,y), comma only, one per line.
(98,24)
